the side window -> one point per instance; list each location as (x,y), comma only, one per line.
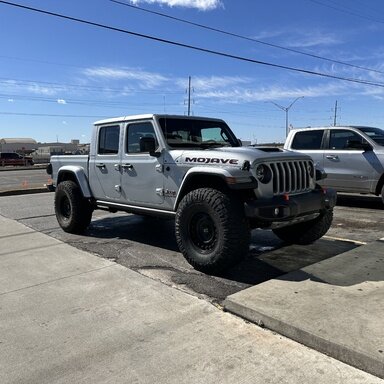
(109,140)
(310,139)
(135,132)
(341,138)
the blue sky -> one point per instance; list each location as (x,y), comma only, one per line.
(59,76)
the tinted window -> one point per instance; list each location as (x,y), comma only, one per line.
(340,139)
(109,140)
(375,134)
(308,139)
(135,132)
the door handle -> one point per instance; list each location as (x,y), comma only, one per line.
(129,167)
(100,165)
(332,157)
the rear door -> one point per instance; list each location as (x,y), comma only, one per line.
(104,166)
(310,142)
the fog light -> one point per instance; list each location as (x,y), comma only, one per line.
(276,211)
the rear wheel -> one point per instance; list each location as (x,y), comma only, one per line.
(307,232)
(211,230)
(73,211)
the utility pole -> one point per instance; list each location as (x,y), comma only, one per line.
(189,96)
(335,116)
(286,110)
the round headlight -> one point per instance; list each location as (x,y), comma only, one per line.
(263,173)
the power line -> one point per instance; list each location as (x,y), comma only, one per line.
(50,115)
(66,101)
(340,9)
(200,49)
(244,37)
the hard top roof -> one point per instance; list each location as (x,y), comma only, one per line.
(115,120)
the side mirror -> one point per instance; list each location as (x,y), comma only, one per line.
(148,144)
(356,144)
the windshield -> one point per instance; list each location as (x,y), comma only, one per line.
(376,134)
(179,132)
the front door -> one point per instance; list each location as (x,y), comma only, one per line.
(142,177)
(347,168)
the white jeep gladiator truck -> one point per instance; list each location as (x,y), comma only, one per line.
(196,171)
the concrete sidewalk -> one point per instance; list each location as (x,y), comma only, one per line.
(70,317)
(335,306)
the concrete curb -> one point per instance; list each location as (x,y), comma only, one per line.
(318,307)
(13,192)
(22,168)
(337,351)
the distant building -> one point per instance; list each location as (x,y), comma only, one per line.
(20,145)
(46,150)
(41,152)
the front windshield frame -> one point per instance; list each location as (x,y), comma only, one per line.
(375,134)
(201,133)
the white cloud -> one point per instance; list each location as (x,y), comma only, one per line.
(206,83)
(40,90)
(144,79)
(61,101)
(297,38)
(202,5)
(313,39)
(272,93)
(264,35)
(34,88)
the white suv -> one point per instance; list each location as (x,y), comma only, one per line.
(352,157)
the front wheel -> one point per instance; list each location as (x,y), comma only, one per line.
(307,232)
(211,230)
(73,211)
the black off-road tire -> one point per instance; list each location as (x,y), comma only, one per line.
(307,232)
(73,211)
(211,230)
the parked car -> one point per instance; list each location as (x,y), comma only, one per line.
(13,158)
(352,156)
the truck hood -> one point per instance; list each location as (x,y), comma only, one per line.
(234,156)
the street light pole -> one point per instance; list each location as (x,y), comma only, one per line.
(286,110)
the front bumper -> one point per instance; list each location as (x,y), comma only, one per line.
(287,208)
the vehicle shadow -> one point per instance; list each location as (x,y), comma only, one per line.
(359,201)
(142,229)
(262,264)
(268,256)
